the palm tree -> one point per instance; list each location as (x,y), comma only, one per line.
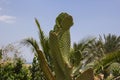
(100,53)
(111,43)
(81,56)
(43,55)
(100,49)
(106,49)
(80,51)
(89,50)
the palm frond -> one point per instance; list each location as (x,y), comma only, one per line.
(31,42)
(112,43)
(43,38)
(41,33)
(107,60)
(83,44)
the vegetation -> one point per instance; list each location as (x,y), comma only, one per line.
(55,59)
(12,68)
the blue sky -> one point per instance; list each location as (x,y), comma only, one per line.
(91,18)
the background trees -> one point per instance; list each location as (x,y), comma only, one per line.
(12,67)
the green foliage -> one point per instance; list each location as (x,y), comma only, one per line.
(103,66)
(36,72)
(14,70)
(0,53)
(112,43)
(75,58)
(115,69)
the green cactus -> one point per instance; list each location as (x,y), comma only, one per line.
(59,41)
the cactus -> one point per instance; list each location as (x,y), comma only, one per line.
(59,41)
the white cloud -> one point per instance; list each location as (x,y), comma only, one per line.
(7,19)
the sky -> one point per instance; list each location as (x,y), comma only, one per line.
(91,18)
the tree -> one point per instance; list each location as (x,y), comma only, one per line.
(111,43)
(104,51)
(14,70)
(11,68)
(101,51)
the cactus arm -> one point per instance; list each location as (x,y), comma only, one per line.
(62,30)
(60,44)
(56,57)
(44,66)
